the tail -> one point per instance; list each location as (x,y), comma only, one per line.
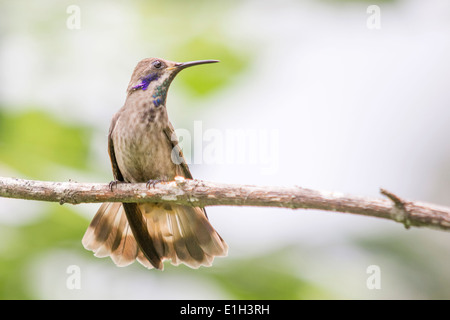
(177,233)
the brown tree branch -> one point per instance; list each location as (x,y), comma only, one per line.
(205,193)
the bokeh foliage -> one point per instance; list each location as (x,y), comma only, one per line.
(57,227)
(33,142)
(202,81)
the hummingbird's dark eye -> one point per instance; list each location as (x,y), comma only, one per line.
(157,64)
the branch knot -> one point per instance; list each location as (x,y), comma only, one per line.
(400,212)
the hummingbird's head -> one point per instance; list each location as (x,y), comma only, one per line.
(155,75)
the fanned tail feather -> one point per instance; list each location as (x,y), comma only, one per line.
(178,233)
(109,234)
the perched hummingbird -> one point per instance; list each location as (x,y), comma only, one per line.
(143,147)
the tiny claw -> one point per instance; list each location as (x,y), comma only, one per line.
(113,184)
(152,183)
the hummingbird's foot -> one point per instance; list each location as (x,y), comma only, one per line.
(152,182)
(113,184)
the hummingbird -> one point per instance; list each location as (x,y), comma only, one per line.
(143,147)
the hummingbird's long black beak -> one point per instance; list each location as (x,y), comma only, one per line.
(193,63)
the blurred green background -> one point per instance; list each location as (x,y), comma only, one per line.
(345,107)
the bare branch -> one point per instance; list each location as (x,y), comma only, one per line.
(205,193)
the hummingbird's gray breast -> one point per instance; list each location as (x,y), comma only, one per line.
(142,150)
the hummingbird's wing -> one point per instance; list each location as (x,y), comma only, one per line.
(177,153)
(116,171)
